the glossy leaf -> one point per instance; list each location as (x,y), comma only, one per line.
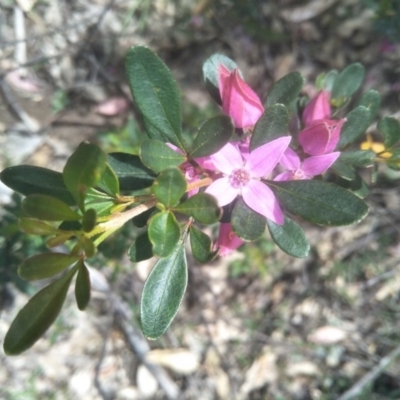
(246,223)
(48,208)
(163,293)
(285,91)
(348,81)
(155,93)
(158,156)
(131,172)
(83,170)
(202,207)
(201,245)
(164,233)
(169,187)
(290,238)
(35,227)
(37,315)
(109,182)
(141,249)
(89,220)
(212,136)
(372,101)
(45,265)
(271,125)
(28,179)
(355,126)
(320,202)
(82,286)
(390,129)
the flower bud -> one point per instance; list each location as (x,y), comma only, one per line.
(227,240)
(318,108)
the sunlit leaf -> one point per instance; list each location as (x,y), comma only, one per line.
(169,187)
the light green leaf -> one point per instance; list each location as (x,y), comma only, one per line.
(372,101)
(169,187)
(109,182)
(355,126)
(348,81)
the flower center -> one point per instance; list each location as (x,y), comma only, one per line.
(239,178)
(298,174)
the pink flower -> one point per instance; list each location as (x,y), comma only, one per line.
(321,137)
(227,240)
(310,167)
(242,177)
(318,108)
(238,99)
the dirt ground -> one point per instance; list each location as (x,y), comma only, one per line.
(256,325)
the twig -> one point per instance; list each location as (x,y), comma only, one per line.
(360,385)
(20,35)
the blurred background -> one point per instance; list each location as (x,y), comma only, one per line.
(256,325)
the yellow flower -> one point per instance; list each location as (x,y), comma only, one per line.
(377,147)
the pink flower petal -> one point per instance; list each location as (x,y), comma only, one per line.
(227,159)
(263,159)
(290,160)
(113,106)
(317,165)
(261,199)
(227,240)
(223,191)
(318,108)
(284,176)
(315,139)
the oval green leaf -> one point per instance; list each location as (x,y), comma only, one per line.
(82,286)
(141,249)
(348,81)
(356,125)
(37,315)
(163,293)
(169,187)
(35,227)
(320,202)
(390,129)
(89,220)
(201,245)
(290,238)
(109,182)
(372,101)
(164,233)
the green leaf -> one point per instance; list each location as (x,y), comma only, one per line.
(320,202)
(343,169)
(140,221)
(82,286)
(372,101)
(211,76)
(201,245)
(37,315)
(158,156)
(164,233)
(35,227)
(131,172)
(202,207)
(271,125)
(89,220)
(46,265)
(390,129)
(141,249)
(169,187)
(109,182)
(348,81)
(285,91)
(212,136)
(163,293)
(83,170)
(357,186)
(48,208)
(356,125)
(246,223)
(89,247)
(152,132)
(100,202)
(326,81)
(290,238)
(28,179)
(358,158)
(155,92)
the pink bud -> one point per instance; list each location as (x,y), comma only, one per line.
(227,240)
(321,137)
(238,99)
(318,108)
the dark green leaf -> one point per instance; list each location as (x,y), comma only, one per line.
(372,101)
(320,202)
(164,233)
(141,248)
(140,220)
(48,208)
(201,245)
(348,81)
(343,169)
(290,238)
(37,315)
(285,91)
(154,133)
(45,265)
(89,220)
(356,125)
(28,179)
(271,125)
(390,129)
(212,136)
(357,186)
(163,293)
(358,158)
(83,170)
(82,286)
(169,187)
(131,172)
(202,207)
(158,156)
(246,223)
(109,182)
(155,92)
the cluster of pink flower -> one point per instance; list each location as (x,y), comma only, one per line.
(239,170)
